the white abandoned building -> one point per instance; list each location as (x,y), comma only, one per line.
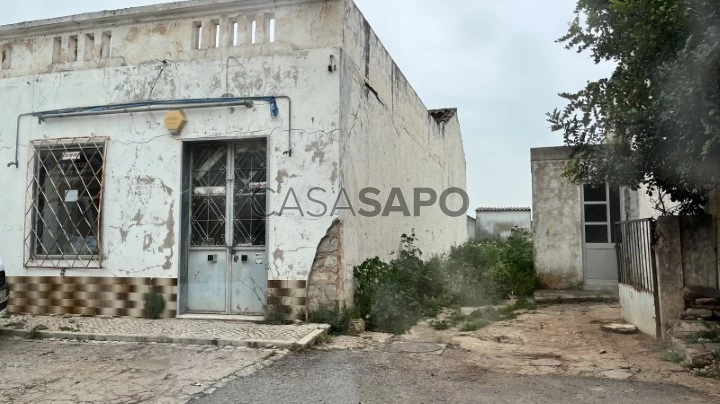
(611,238)
(188,148)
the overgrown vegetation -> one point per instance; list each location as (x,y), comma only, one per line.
(339,321)
(277,314)
(153,305)
(482,317)
(393,296)
(708,366)
(705,336)
(673,355)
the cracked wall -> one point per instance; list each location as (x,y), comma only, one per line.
(325,288)
(141,223)
(390,140)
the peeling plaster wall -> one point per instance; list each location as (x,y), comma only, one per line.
(166,31)
(141,210)
(390,140)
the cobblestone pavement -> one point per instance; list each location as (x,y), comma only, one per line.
(237,333)
(62,371)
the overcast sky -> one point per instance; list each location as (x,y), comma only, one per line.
(496,61)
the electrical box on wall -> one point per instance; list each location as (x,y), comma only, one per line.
(175,121)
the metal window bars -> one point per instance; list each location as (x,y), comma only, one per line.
(635,254)
(65,198)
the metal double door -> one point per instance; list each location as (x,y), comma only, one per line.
(227,256)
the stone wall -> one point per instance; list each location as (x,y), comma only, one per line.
(325,285)
(685,256)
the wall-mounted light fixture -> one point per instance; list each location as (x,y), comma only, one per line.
(175,121)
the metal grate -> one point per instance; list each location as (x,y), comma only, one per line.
(220,211)
(65,193)
(250,196)
(208,204)
(636,260)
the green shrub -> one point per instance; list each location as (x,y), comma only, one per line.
(153,305)
(393,296)
(277,314)
(339,321)
(674,356)
(474,325)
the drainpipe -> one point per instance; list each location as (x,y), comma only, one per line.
(152,105)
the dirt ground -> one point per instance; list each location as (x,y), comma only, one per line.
(564,340)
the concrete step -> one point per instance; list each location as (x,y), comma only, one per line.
(548,296)
(682,329)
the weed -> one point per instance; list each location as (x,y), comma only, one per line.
(523,303)
(673,355)
(18,325)
(35,332)
(277,314)
(153,305)
(295,347)
(474,325)
(705,336)
(6,314)
(70,329)
(440,325)
(323,339)
(339,320)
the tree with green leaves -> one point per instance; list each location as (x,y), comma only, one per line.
(656,120)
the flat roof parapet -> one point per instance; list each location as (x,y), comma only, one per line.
(502,210)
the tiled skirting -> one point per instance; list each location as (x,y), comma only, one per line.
(86,295)
(289,296)
(121,297)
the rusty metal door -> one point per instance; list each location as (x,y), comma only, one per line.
(227,270)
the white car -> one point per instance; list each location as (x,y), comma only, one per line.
(4,289)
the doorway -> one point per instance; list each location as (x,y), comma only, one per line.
(601,211)
(226,248)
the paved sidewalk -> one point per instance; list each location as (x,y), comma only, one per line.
(198,332)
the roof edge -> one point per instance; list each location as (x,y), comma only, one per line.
(152,12)
(521,209)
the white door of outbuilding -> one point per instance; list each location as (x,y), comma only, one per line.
(601,210)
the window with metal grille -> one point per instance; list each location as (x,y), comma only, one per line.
(65,203)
